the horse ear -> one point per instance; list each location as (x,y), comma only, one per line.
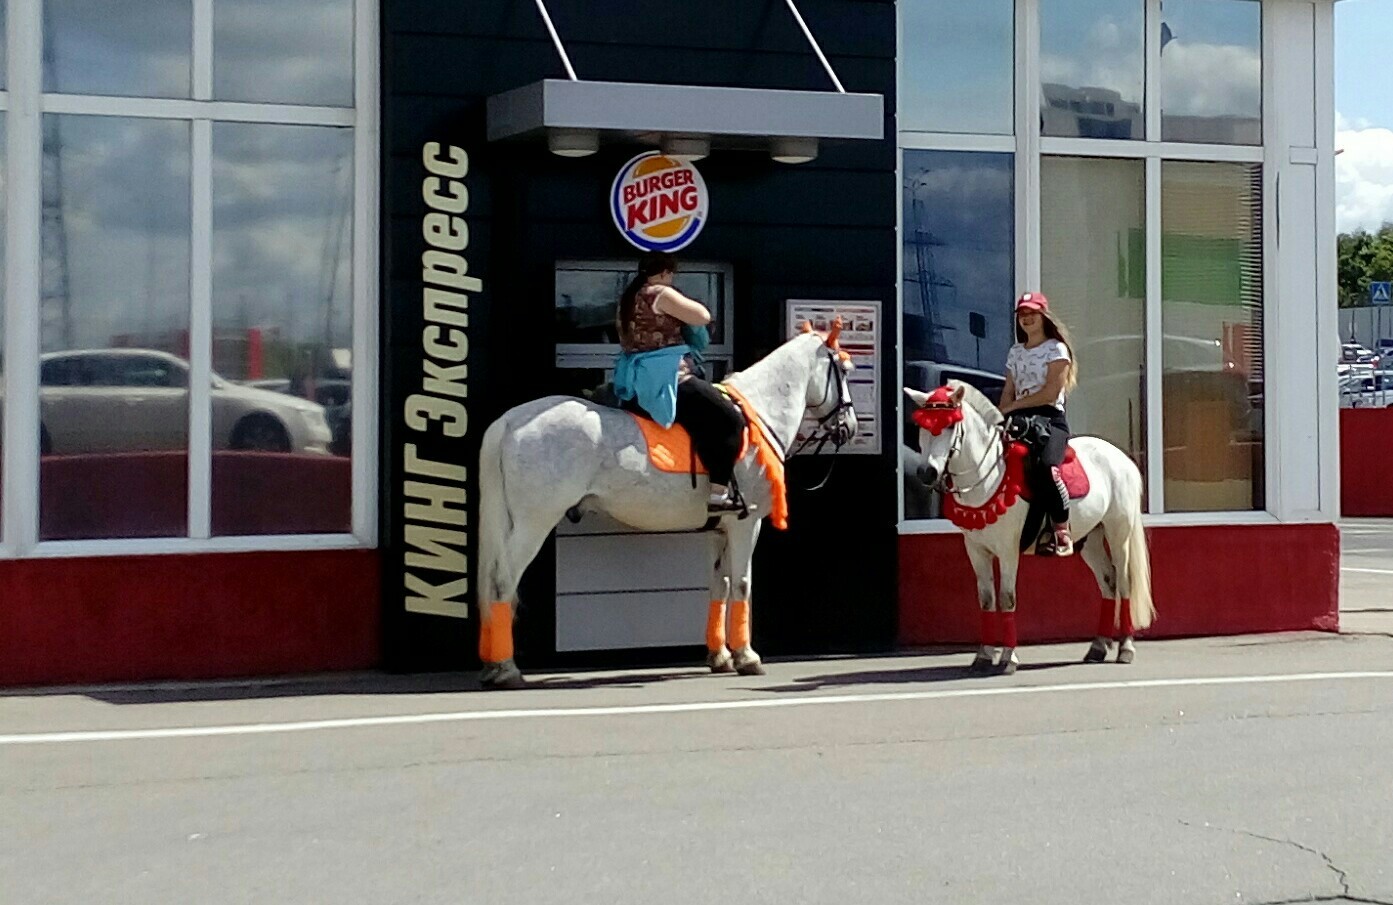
(836,332)
(916,397)
(807,327)
(958,394)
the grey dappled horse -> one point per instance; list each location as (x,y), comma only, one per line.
(542,458)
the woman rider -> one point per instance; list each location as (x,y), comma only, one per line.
(657,326)
(1040,372)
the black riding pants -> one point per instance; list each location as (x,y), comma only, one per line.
(1045,485)
(715,425)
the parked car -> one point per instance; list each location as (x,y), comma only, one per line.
(123,400)
(1358,391)
(335,394)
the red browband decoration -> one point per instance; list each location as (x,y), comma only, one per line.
(939,413)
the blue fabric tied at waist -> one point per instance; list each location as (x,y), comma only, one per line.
(651,378)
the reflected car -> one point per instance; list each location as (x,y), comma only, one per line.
(126,400)
(335,394)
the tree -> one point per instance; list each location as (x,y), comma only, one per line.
(1363,258)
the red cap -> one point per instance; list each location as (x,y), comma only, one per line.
(1033,301)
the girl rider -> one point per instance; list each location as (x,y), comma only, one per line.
(1040,373)
(655,370)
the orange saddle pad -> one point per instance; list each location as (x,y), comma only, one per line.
(669,448)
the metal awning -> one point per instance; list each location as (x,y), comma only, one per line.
(688,120)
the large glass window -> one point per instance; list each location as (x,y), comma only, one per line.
(1211,71)
(282,323)
(1092,68)
(283,51)
(130,49)
(114,321)
(1211,246)
(1151,253)
(198,295)
(1093,269)
(4,178)
(956,66)
(958,282)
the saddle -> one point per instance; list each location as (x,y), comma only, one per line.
(670,449)
(1027,438)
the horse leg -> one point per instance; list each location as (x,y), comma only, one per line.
(717,653)
(1126,646)
(1009,661)
(500,580)
(982,566)
(740,548)
(1096,555)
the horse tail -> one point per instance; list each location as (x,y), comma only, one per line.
(494,580)
(1139,571)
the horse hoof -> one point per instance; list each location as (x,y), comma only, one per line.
(980,667)
(503,676)
(720,661)
(1009,667)
(1126,655)
(1095,655)
(751,669)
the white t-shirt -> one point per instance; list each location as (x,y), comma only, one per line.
(1028,368)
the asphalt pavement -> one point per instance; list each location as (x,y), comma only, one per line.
(1250,770)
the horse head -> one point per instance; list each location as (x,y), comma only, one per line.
(938,415)
(828,392)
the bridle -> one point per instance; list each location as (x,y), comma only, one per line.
(937,415)
(838,434)
(831,428)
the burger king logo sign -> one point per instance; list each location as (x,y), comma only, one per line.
(659,203)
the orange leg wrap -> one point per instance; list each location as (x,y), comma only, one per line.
(496,634)
(739,624)
(716,626)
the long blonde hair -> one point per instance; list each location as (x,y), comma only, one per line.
(1055,329)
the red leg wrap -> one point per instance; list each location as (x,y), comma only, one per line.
(1127,630)
(1107,617)
(991,628)
(1008,629)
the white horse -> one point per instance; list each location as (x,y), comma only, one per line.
(542,458)
(966,455)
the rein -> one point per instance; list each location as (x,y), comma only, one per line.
(947,483)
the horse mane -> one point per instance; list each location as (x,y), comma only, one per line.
(979,403)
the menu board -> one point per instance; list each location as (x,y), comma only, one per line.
(860,338)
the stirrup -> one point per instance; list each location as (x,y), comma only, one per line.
(1049,544)
(724,505)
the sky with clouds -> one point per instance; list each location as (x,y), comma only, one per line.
(1364,104)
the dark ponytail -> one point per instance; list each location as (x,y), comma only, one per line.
(650,265)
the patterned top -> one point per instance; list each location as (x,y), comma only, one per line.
(650,329)
(1028,368)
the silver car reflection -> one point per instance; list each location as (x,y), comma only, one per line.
(127,400)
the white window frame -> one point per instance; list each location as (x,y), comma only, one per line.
(25,103)
(1029,148)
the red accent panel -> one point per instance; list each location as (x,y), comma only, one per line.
(188,617)
(1366,435)
(1205,581)
(122,495)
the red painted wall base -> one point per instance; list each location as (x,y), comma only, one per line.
(187,617)
(1366,435)
(1207,581)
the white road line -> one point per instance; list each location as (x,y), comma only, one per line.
(1367,571)
(121,735)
